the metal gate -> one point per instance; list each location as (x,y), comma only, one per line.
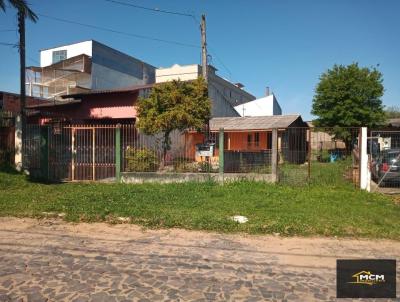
(320,156)
(93,152)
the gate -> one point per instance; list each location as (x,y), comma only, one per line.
(321,156)
(384,160)
(71,152)
(93,152)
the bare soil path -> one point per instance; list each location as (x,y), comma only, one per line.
(50,260)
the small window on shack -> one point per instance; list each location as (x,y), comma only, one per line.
(256,139)
(249,139)
(269,140)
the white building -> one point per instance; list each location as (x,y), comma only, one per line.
(223,94)
(84,66)
(265,106)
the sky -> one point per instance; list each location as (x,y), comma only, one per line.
(283,44)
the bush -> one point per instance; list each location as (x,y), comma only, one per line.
(141,160)
(182,164)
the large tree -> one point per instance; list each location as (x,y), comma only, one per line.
(21,6)
(174,105)
(348,96)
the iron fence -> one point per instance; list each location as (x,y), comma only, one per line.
(326,156)
(100,152)
(7,138)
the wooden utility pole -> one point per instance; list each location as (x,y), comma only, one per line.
(21,29)
(204,48)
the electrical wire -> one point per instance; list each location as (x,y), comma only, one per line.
(150,9)
(8,44)
(118,2)
(119,32)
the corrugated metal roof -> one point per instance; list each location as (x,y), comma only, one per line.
(108,91)
(253,123)
(52,103)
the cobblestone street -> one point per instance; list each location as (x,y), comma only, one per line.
(50,260)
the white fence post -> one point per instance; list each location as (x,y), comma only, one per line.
(365,174)
(274,155)
(18,143)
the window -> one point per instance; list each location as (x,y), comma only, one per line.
(269,140)
(249,139)
(256,139)
(59,55)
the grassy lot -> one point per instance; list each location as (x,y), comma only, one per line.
(325,208)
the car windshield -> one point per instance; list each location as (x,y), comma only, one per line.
(391,157)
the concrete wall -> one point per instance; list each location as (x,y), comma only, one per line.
(114,69)
(156,177)
(265,106)
(178,72)
(85,47)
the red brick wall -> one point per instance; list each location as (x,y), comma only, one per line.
(12,103)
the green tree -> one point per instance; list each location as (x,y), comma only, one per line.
(348,96)
(21,6)
(392,112)
(174,105)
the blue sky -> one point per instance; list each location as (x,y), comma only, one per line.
(283,44)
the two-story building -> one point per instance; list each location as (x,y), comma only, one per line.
(85,66)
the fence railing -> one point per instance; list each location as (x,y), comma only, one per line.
(7,137)
(102,152)
(318,155)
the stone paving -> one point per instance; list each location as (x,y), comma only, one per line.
(50,260)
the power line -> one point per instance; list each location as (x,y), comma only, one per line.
(8,44)
(33,60)
(157,10)
(222,63)
(119,32)
(5,30)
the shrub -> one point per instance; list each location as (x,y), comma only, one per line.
(182,164)
(141,160)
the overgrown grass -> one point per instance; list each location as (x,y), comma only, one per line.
(328,210)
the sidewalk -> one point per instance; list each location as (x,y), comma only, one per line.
(50,260)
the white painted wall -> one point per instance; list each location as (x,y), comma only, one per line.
(175,72)
(264,106)
(85,47)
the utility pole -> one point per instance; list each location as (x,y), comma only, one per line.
(21,29)
(204,48)
(204,66)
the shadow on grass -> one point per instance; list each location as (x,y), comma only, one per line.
(9,169)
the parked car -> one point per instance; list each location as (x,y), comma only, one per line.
(386,167)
